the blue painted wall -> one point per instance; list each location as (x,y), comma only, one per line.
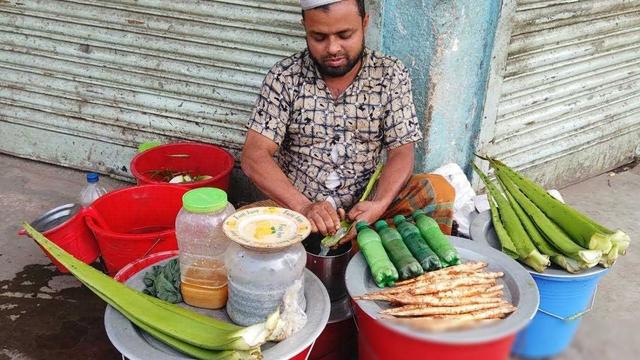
(447,47)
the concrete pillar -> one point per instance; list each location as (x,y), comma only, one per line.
(447,47)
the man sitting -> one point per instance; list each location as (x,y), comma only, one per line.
(324,118)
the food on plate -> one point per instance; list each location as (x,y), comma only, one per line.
(454,298)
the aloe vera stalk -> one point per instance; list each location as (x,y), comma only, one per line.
(570,264)
(170,320)
(574,223)
(505,240)
(618,237)
(527,252)
(191,350)
(551,231)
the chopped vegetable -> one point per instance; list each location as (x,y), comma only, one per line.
(382,270)
(176,177)
(416,244)
(163,282)
(434,237)
(400,256)
(197,335)
(458,297)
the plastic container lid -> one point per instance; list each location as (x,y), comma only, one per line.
(92,177)
(399,219)
(148,145)
(381,224)
(204,200)
(361,225)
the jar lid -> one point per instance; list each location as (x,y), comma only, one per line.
(148,145)
(266,227)
(204,200)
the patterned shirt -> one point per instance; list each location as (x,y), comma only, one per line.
(328,147)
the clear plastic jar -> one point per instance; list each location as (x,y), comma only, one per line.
(258,279)
(202,245)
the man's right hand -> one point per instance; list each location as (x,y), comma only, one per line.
(323,217)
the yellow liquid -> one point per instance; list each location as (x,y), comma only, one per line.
(205,285)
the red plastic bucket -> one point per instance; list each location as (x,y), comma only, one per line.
(331,344)
(134,222)
(383,339)
(376,341)
(65,227)
(194,158)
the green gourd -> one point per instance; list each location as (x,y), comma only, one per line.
(382,270)
(416,244)
(432,234)
(398,252)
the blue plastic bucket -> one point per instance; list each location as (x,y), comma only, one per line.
(564,299)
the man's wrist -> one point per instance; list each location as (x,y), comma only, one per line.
(385,202)
(299,206)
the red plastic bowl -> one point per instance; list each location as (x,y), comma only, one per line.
(194,158)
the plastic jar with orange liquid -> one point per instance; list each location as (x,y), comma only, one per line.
(202,245)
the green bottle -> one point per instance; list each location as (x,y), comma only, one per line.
(432,234)
(399,254)
(382,270)
(416,244)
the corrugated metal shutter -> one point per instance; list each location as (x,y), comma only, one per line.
(85,81)
(569,104)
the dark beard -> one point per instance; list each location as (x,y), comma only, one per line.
(333,72)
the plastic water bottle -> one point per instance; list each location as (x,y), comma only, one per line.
(92,190)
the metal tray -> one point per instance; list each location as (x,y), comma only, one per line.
(519,288)
(136,344)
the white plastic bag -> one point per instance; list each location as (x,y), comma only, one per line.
(292,316)
(463,204)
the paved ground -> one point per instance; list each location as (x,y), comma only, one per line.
(48,315)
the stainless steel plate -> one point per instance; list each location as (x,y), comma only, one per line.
(136,344)
(519,288)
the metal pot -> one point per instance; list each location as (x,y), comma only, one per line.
(330,269)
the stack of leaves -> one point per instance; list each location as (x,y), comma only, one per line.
(163,282)
(456,297)
(537,229)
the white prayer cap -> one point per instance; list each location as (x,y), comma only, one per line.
(310,4)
